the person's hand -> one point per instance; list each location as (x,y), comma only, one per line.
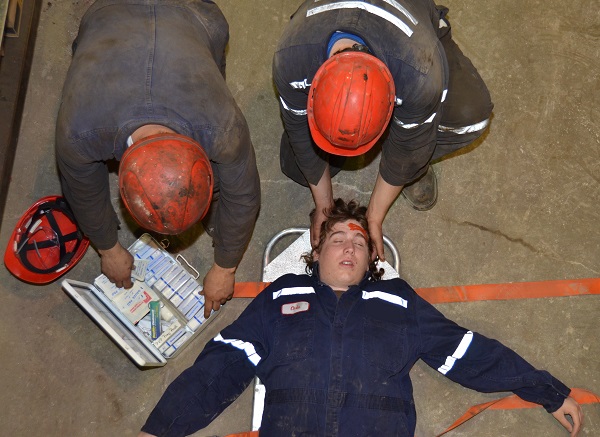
(117,263)
(315,226)
(376,235)
(383,196)
(323,196)
(145,434)
(570,407)
(217,288)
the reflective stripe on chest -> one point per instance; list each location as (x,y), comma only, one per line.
(388,297)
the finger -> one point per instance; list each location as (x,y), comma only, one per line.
(377,239)
(208,305)
(379,248)
(314,239)
(577,421)
(314,235)
(562,419)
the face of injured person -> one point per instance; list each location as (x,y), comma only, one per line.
(344,255)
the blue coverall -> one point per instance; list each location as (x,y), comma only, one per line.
(340,367)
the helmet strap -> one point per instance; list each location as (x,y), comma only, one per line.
(358,47)
(46,210)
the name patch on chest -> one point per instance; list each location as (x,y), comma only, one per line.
(293,308)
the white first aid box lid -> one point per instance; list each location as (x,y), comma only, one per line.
(138,347)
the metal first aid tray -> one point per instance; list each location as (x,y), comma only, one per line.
(125,316)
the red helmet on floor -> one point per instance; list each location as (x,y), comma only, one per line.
(166,182)
(46,242)
(350,102)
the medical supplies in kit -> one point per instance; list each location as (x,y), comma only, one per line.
(157,317)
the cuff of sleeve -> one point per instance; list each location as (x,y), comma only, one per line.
(400,175)
(557,394)
(108,239)
(228,259)
(155,425)
(548,392)
(162,423)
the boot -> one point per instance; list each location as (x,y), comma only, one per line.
(422,193)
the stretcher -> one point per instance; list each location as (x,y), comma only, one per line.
(289,261)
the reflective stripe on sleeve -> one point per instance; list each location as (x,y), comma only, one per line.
(402,9)
(293,290)
(371,9)
(392,298)
(248,348)
(444,94)
(293,111)
(458,353)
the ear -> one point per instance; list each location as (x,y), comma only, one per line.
(315,255)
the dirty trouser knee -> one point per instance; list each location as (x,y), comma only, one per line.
(468,105)
(289,165)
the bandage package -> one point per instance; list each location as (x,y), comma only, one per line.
(156,318)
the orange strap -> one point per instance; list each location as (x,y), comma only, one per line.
(471,293)
(244,434)
(514,402)
(249,289)
(512,290)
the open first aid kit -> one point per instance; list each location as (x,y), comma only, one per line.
(156,318)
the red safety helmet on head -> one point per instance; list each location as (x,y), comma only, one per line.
(166,182)
(350,102)
(46,242)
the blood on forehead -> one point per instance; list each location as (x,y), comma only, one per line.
(355,227)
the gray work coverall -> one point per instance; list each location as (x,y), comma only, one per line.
(154,62)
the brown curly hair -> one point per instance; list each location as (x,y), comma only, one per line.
(342,211)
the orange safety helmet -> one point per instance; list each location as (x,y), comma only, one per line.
(350,102)
(46,242)
(166,182)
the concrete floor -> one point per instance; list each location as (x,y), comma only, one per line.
(522,205)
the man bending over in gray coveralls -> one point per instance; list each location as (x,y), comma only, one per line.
(146,86)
